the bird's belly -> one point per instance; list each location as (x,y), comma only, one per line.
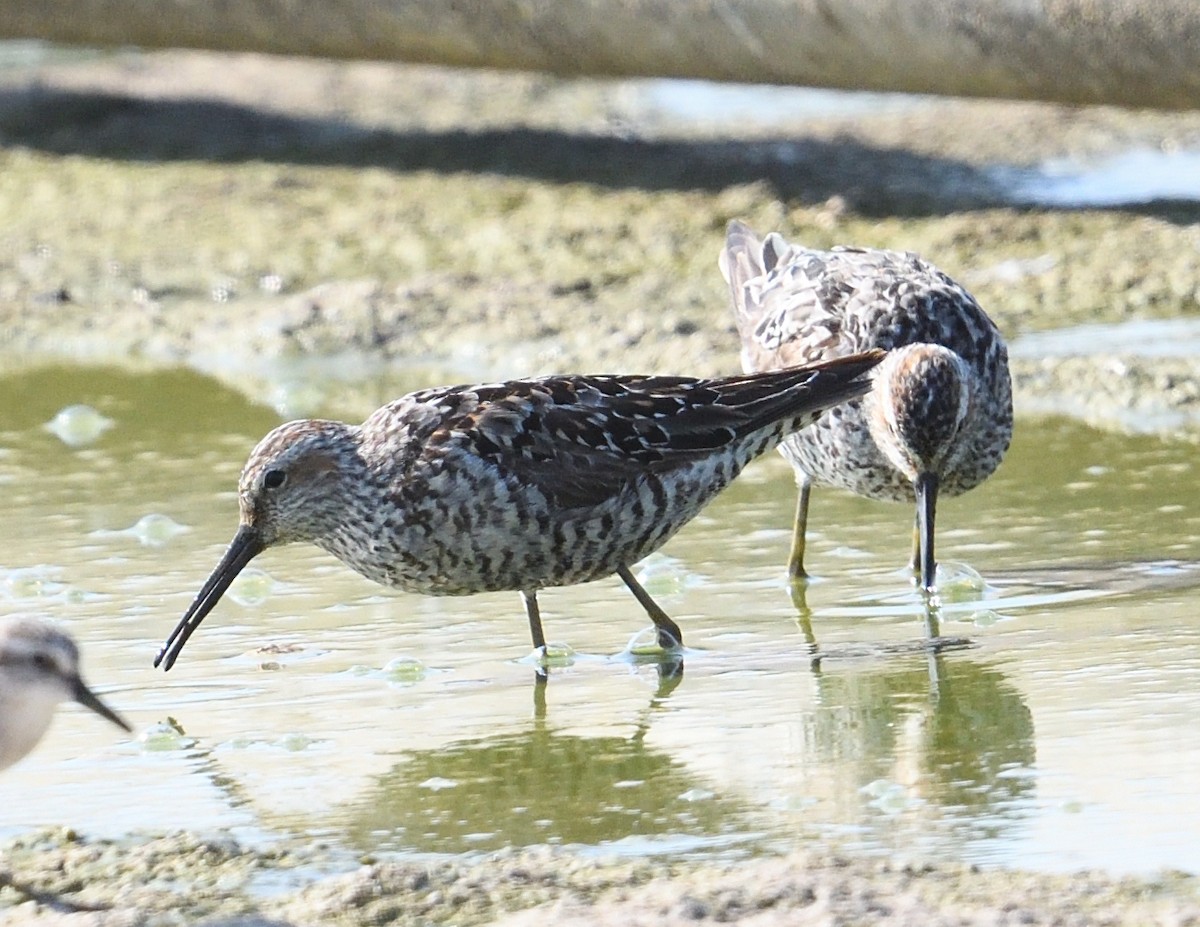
(485,548)
(840,451)
(482,560)
(843,453)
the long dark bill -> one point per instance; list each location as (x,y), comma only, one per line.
(245,546)
(926,491)
(89,699)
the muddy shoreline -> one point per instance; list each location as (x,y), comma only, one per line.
(183,878)
(249,216)
(242,213)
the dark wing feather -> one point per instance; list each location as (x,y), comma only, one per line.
(580,439)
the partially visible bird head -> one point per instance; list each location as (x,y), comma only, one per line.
(917,409)
(291,485)
(39,668)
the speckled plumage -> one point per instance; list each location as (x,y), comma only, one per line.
(39,668)
(518,485)
(939,416)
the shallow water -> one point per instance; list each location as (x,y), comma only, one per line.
(1063,737)
(1137,337)
(1132,177)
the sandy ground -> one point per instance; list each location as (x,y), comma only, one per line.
(239,213)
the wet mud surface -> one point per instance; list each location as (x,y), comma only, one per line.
(185,879)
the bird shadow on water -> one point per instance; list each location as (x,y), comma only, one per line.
(672,772)
(937,734)
(1041,584)
(931,643)
(668,667)
(536,786)
(1005,592)
(952,740)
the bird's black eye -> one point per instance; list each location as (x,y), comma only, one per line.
(42,662)
(273,479)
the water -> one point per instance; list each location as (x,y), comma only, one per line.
(1136,176)
(716,105)
(313,702)
(1138,337)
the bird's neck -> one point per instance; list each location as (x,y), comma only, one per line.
(24,718)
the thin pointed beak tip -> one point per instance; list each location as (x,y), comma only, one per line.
(90,700)
(245,546)
(165,658)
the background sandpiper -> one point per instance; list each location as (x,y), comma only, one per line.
(939,417)
(39,668)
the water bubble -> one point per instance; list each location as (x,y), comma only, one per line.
(554,653)
(984,618)
(31,583)
(558,654)
(437,783)
(78,425)
(404,671)
(888,796)
(662,575)
(296,742)
(644,643)
(164,736)
(156,530)
(252,587)
(957,582)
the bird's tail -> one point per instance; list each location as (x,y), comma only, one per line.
(741,261)
(783,401)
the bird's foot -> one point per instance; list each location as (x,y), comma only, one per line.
(550,655)
(653,645)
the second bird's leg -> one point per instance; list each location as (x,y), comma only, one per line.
(535,619)
(915,562)
(669,635)
(796,571)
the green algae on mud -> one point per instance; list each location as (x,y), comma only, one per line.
(184,248)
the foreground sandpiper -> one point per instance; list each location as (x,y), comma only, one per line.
(518,485)
(39,668)
(939,418)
